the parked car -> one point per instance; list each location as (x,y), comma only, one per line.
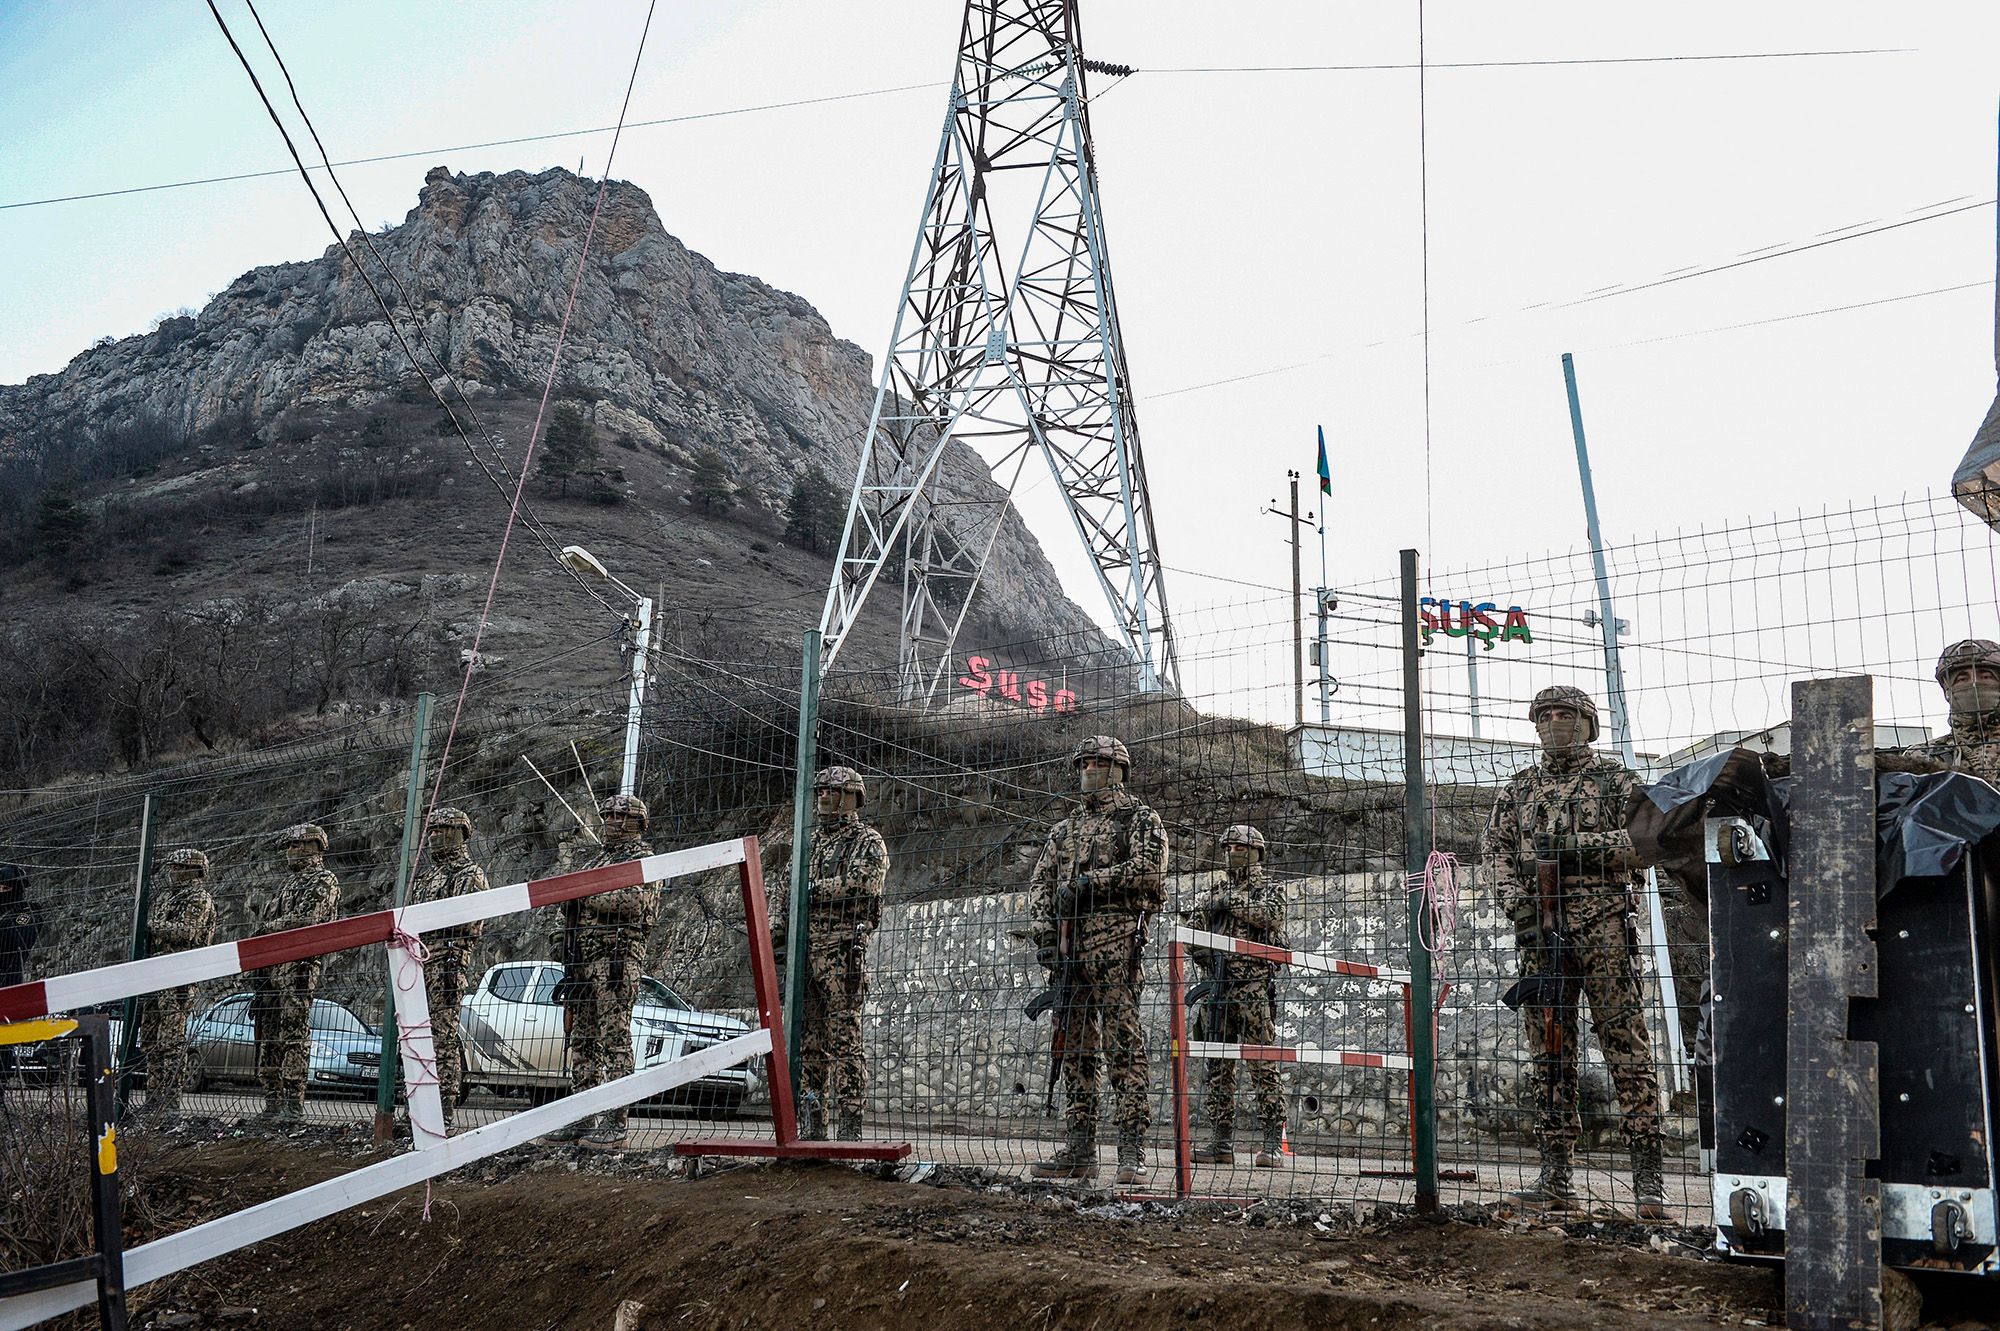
(346,1051)
(514,1038)
(43,1061)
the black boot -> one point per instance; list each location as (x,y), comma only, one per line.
(1272,1156)
(1649,1180)
(1221,1150)
(1075,1158)
(1131,1158)
(1552,1189)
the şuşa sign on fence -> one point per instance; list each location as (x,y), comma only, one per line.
(1463,619)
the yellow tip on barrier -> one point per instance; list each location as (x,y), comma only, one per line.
(107,1151)
(29,1032)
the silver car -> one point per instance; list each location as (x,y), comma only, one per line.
(514,1042)
(346,1051)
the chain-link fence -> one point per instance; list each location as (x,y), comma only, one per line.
(967,780)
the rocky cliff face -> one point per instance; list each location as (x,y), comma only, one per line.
(666,353)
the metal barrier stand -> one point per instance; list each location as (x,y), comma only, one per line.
(785,1143)
(106,1265)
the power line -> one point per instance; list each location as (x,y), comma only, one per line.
(536,526)
(1855,231)
(1523,64)
(471,147)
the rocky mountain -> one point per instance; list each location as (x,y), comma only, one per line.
(276,452)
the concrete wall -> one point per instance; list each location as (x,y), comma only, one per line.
(946,1038)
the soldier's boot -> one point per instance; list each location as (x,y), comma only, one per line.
(1552,1189)
(288,1115)
(812,1122)
(607,1132)
(1075,1158)
(1272,1156)
(1219,1151)
(270,1110)
(1649,1182)
(849,1129)
(1131,1159)
(570,1132)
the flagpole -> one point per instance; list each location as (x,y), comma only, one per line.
(1319,598)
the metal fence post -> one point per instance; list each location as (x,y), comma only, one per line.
(142,904)
(413,802)
(1416,821)
(795,924)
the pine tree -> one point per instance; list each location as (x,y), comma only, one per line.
(813,515)
(569,446)
(712,490)
(59,522)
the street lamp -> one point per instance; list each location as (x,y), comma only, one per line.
(581,561)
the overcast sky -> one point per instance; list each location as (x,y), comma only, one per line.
(1257,221)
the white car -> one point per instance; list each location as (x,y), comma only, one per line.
(513,1031)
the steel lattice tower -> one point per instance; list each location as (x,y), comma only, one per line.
(1009,341)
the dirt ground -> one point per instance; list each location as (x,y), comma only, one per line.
(557,1237)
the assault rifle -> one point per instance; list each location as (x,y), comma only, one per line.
(1057,998)
(1210,996)
(1549,988)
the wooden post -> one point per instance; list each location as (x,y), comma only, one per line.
(1833,1236)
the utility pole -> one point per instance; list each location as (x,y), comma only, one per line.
(642,640)
(1621,729)
(1472,679)
(1298,609)
(1326,603)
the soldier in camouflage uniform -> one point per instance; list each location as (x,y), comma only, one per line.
(1242,996)
(1969,674)
(602,971)
(448,872)
(1572,803)
(282,1007)
(1101,873)
(846,863)
(180,918)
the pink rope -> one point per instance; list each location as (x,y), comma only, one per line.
(548,387)
(1438,919)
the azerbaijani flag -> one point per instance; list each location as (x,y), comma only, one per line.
(1325,476)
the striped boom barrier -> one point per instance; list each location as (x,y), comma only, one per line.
(129,979)
(1184,1048)
(1305,1053)
(1317,962)
(219,1237)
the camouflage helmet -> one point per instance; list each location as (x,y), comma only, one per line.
(311,833)
(445,816)
(199,859)
(1242,834)
(1971,652)
(841,778)
(1566,695)
(1104,746)
(631,804)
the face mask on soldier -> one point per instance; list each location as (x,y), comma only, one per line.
(180,875)
(1096,774)
(1242,857)
(1974,689)
(829,801)
(1560,728)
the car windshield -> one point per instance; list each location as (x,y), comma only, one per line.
(654,994)
(333,1017)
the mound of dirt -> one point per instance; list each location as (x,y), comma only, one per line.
(547,1239)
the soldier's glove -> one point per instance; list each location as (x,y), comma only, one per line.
(1528,935)
(1047,957)
(1070,895)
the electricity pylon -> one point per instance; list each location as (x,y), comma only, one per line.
(1016,358)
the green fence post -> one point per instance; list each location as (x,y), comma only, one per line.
(1416,822)
(795,923)
(413,801)
(128,1036)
